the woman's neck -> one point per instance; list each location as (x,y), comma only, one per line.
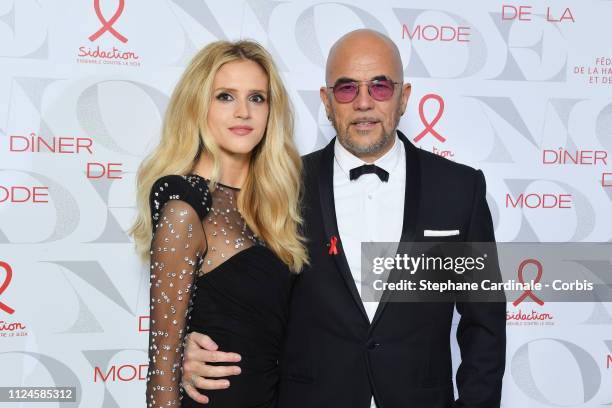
(234,168)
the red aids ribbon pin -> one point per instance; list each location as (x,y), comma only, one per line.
(333,250)
(7,280)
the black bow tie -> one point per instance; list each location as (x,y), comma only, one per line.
(382,174)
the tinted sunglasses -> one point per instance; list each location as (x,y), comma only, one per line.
(379,89)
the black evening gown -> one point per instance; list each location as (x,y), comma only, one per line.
(210,273)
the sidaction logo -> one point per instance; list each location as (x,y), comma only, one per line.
(99,55)
(534,317)
(9,329)
(12,329)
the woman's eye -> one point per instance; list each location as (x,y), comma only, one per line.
(257,98)
(224,97)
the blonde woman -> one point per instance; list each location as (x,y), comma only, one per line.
(219,221)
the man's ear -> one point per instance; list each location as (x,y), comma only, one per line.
(405,96)
(326,102)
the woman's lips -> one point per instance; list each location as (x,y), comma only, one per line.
(241,130)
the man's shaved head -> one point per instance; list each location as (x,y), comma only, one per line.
(365,126)
(359,42)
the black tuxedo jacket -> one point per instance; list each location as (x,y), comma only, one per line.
(335,358)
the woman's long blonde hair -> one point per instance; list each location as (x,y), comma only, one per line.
(269,199)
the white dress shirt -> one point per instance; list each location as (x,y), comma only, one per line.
(368,209)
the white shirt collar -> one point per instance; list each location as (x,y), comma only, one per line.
(347,160)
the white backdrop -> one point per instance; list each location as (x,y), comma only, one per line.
(499,86)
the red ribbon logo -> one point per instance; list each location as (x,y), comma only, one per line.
(333,250)
(429,126)
(528,292)
(107,25)
(7,280)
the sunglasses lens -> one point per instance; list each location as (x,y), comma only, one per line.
(381,90)
(345,92)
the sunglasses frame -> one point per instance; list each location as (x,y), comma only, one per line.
(369,83)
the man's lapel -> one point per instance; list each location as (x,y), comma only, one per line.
(330,224)
(412,199)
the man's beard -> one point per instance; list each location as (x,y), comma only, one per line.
(359,150)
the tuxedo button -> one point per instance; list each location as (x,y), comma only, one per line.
(371,344)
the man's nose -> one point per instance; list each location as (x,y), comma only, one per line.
(363,100)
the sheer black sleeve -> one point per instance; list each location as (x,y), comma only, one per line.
(178,206)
